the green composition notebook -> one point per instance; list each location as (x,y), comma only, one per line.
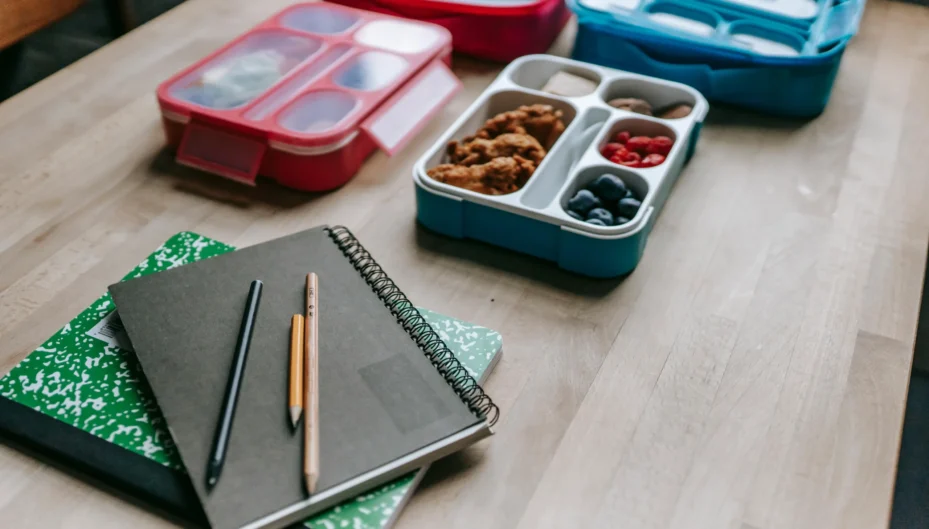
(86,377)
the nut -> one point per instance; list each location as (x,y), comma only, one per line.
(676,112)
(632,104)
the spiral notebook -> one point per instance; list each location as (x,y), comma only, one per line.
(392,396)
(70,416)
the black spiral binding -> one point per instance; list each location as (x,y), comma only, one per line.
(413,323)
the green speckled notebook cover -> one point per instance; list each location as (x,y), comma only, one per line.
(86,376)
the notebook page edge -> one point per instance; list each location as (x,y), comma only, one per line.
(369,480)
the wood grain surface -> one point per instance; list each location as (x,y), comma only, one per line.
(750,374)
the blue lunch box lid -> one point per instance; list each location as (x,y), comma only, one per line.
(725,30)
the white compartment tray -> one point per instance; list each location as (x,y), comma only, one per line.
(533,219)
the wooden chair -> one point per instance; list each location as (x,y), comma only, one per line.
(20,18)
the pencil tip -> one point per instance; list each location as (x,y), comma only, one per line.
(311,480)
(295,412)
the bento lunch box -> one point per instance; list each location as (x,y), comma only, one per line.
(776,56)
(499,30)
(306,96)
(534,220)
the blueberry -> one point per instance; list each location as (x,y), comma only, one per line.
(575,215)
(628,207)
(595,222)
(602,215)
(583,201)
(629,194)
(608,187)
(621,220)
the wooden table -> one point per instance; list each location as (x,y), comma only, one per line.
(750,374)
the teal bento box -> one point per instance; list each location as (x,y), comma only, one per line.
(534,219)
(779,57)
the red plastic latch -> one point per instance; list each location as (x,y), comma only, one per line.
(400,118)
(224,153)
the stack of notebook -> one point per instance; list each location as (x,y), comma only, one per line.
(397,386)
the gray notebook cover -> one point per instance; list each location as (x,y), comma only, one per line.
(380,398)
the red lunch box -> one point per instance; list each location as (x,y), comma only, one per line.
(499,30)
(307,95)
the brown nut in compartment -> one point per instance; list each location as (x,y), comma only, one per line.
(632,104)
(676,111)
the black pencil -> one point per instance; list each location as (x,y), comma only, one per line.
(224,428)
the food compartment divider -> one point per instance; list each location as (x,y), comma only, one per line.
(545,185)
(533,220)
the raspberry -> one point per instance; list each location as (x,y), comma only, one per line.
(611,148)
(618,155)
(652,160)
(660,145)
(630,156)
(638,143)
(622,137)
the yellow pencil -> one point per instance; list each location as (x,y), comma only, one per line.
(311,385)
(295,397)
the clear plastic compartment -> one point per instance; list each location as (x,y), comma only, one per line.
(766,41)
(684,18)
(243,72)
(297,83)
(318,112)
(800,9)
(320,19)
(397,36)
(371,71)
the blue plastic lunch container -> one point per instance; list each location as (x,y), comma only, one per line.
(775,56)
(536,219)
